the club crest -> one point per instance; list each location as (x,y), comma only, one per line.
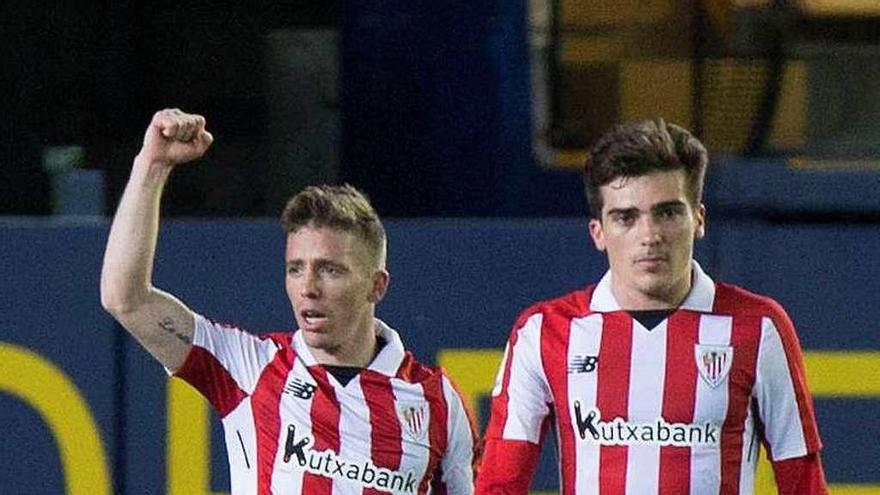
(414,420)
(713,362)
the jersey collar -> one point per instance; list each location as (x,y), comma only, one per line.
(387,362)
(700,298)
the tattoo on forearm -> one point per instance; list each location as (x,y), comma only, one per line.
(167,324)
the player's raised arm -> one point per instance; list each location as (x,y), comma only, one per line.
(160,322)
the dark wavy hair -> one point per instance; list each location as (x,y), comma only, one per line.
(640,148)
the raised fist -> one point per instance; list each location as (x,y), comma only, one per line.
(175,137)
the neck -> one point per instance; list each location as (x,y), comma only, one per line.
(358,351)
(633,299)
(647,303)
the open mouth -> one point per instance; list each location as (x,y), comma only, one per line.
(313,317)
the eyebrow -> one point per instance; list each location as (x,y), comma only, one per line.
(623,211)
(632,209)
(667,204)
(320,262)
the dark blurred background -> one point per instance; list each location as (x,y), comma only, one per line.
(92,73)
(434,108)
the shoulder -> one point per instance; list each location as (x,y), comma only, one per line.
(412,371)
(551,316)
(574,304)
(223,329)
(738,302)
(430,377)
(735,300)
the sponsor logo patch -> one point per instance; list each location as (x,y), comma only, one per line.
(619,431)
(329,464)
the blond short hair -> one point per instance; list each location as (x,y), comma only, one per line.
(344,208)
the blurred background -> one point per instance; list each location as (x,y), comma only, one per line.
(467,124)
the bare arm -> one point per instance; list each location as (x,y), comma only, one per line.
(159,321)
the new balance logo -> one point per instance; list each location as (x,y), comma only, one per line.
(328,463)
(300,389)
(582,364)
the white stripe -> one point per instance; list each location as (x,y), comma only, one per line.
(414,451)
(585,340)
(355,441)
(292,411)
(776,398)
(499,377)
(646,384)
(241,448)
(458,473)
(527,390)
(710,404)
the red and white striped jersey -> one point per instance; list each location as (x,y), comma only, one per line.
(677,409)
(292,428)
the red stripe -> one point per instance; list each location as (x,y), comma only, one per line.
(205,373)
(325,429)
(800,476)
(509,458)
(265,403)
(385,431)
(744,337)
(612,396)
(679,397)
(437,433)
(555,336)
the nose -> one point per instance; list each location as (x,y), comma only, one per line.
(310,286)
(649,230)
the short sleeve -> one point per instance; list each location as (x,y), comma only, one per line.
(225,363)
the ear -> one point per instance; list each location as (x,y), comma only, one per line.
(596,233)
(381,279)
(700,222)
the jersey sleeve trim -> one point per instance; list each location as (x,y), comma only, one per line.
(225,362)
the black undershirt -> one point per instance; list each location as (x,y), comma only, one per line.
(650,318)
(345,374)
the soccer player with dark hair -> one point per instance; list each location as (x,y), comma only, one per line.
(657,379)
(336,407)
